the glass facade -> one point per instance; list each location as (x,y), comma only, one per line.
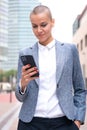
(20,33)
(76,25)
(3,30)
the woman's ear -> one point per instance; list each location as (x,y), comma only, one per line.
(53,22)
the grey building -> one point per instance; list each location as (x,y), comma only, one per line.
(20,34)
(80,38)
(3,30)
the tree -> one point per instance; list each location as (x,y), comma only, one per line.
(5,75)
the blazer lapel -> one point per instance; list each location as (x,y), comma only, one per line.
(60,60)
(35,55)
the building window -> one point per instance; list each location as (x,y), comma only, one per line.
(83,69)
(75,25)
(78,46)
(81,45)
(86,40)
(86,83)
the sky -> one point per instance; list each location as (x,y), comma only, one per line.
(64,12)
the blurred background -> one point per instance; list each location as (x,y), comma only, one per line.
(16,33)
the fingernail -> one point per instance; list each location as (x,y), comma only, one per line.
(29,65)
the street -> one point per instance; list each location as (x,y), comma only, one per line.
(9,109)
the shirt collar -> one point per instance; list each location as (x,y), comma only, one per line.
(49,46)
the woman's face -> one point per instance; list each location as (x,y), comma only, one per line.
(42,25)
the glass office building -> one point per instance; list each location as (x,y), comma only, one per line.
(3,30)
(20,33)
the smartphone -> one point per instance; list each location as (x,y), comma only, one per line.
(28,59)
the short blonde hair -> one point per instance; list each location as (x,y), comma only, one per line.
(40,9)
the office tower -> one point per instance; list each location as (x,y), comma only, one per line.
(20,33)
(3,30)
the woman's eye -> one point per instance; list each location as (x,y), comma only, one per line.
(34,26)
(44,25)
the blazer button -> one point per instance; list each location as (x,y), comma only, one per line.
(57,85)
(36,86)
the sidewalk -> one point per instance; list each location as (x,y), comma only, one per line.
(84,127)
(9,115)
(8,112)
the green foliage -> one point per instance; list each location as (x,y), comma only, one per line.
(1,75)
(5,75)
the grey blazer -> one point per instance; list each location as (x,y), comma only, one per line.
(70,88)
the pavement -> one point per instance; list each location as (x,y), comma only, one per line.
(9,110)
(84,127)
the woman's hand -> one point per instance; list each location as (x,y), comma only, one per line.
(27,73)
(77,123)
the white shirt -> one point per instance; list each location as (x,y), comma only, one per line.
(47,103)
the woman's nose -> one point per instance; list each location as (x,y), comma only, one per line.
(39,29)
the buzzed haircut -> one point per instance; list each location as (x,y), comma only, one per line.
(40,9)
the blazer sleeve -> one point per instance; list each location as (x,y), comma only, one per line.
(79,87)
(21,97)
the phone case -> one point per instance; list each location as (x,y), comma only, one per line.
(28,59)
